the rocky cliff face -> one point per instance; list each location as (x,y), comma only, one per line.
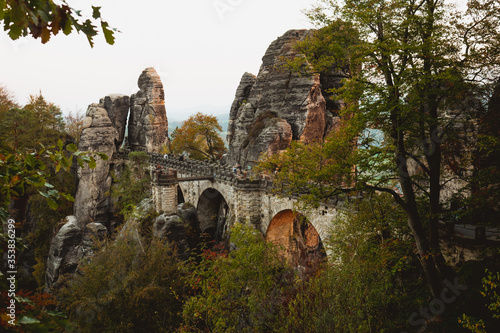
(92,197)
(148,125)
(92,202)
(237,120)
(279,105)
(69,246)
(117,107)
(104,131)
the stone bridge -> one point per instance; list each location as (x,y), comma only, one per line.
(223,198)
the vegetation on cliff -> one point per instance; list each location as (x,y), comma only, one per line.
(36,188)
(418,72)
(132,184)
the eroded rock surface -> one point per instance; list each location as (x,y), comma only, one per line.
(240,100)
(92,234)
(117,107)
(69,246)
(180,229)
(280,105)
(92,197)
(148,125)
(104,129)
(64,252)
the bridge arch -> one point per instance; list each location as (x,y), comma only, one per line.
(250,200)
(213,214)
(298,237)
(180,195)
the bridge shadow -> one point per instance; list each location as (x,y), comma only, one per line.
(213,213)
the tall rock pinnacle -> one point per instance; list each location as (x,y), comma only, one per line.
(280,105)
(148,124)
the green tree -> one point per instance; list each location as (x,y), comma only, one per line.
(46,18)
(73,124)
(131,286)
(371,281)
(6,100)
(199,136)
(6,104)
(132,184)
(38,122)
(48,116)
(33,175)
(415,69)
(238,291)
(24,135)
(19,172)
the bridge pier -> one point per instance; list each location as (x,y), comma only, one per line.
(164,190)
(247,208)
(248,200)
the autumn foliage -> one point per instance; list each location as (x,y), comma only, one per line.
(199,138)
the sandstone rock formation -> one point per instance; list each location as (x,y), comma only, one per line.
(299,240)
(104,130)
(69,246)
(148,125)
(241,97)
(181,229)
(92,197)
(117,107)
(280,105)
(64,251)
(93,232)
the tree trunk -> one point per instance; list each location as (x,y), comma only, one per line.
(415,223)
(433,156)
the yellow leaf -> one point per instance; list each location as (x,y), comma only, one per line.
(45,35)
(14,179)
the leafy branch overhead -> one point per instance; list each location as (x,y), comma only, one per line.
(46,18)
(20,171)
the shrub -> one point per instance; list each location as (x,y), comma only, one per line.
(132,184)
(240,291)
(369,285)
(130,286)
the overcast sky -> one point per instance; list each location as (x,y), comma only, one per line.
(200,48)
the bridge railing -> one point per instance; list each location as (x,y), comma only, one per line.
(221,173)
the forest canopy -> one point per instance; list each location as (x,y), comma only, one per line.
(418,72)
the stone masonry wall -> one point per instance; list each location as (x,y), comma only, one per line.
(249,200)
(165,198)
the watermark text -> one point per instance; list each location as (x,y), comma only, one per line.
(11,270)
(222,7)
(436,307)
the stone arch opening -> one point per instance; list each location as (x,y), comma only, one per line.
(180,196)
(213,212)
(300,241)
